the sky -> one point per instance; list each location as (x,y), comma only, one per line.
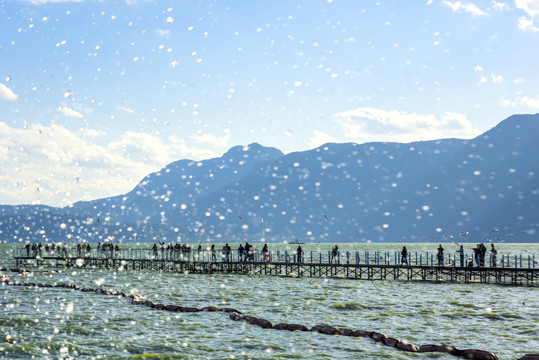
(94,95)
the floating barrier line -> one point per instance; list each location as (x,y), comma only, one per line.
(266,324)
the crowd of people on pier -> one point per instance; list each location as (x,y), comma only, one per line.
(247,252)
(479,256)
(67,249)
(38,249)
(244,253)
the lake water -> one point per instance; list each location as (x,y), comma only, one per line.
(57,323)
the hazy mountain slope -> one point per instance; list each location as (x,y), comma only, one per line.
(386,192)
(161,193)
(337,192)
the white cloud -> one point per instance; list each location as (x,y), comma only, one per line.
(497,79)
(162,33)
(371,124)
(148,148)
(483,79)
(521,101)
(90,133)
(320,138)
(468,7)
(529,6)
(526,24)
(531,102)
(56,166)
(67,111)
(500,6)
(126,109)
(474,10)
(211,139)
(455,123)
(7,94)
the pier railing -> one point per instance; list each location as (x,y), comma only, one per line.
(344,257)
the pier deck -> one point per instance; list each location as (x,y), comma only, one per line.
(521,276)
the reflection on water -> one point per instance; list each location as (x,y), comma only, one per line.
(52,323)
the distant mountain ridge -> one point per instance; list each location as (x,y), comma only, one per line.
(487,186)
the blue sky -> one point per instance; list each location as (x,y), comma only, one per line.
(94,95)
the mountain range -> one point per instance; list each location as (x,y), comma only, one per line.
(486,188)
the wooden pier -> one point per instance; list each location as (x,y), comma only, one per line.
(521,276)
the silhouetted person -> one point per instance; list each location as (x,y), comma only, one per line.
(265,253)
(251,253)
(241,252)
(482,252)
(299,253)
(493,254)
(461,254)
(476,254)
(440,255)
(334,253)
(404,256)
(212,250)
(226,253)
(247,251)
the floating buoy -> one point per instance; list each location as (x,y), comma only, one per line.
(439,348)
(210,308)
(428,348)
(346,332)
(389,341)
(478,354)
(229,310)
(265,324)
(148,303)
(249,319)
(530,357)
(378,337)
(235,316)
(328,330)
(172,308)
(290,327)
(406,346)
(159,306)
(189,309)
(296,327)
(361,333)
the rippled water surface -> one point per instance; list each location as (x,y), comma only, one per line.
(56,323)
